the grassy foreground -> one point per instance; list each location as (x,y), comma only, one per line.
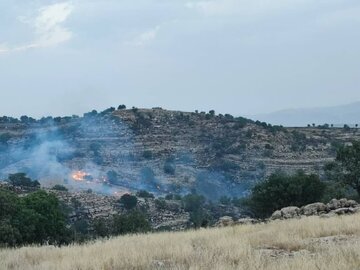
(309,243)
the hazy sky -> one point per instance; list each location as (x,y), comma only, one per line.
(236,56)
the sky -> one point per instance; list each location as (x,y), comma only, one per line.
(242,57)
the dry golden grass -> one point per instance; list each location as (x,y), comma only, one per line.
(309,243)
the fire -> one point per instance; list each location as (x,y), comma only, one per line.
(80,175)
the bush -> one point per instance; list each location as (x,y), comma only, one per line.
(95,148)
(282,190)
(144,194)
(160,204)
(34,219)
(101,228)
(225,200)
(192,202)
(134,222)
(20,179)
(4,138)
(345,169)
(112,177)
(169,167)
(147,154)
(129,201)
(59,188)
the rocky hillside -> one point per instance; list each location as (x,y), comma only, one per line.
(162,151)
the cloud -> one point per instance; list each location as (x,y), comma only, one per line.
(145,37)
(48,28)
(244,7)
(48,24)
(3,48)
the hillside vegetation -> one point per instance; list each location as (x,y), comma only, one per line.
(307,243)
(163,151)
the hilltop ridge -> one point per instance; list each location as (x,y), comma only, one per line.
(163,151)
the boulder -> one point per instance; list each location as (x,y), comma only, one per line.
(352,203)
(342,203)
(328,215)
(276,215)
(333,204)
(290,212)
(246,221)
(344,210)
(225,221)
(313,209)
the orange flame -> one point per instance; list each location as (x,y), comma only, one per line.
(79,175)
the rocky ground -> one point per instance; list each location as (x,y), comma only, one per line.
(332,209)
(166,151)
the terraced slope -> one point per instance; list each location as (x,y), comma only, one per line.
(164,151)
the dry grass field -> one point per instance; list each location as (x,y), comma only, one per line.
(309,243)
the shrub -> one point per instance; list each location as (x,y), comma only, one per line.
(112,177)
(160,204)
(59,188)
(282,190)
(93,113)
(34,219)
(107,111)
(147,154)
(20,179)
(129,201)
(144,194)
(95,148)
(101,227)
(169,167)
(134,222)
(346,167)
(225,200)
(169,196)
(192,202)
(4,138)
(148,176)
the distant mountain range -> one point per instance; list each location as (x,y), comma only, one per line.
(337,115)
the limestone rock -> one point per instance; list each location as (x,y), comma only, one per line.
(313,209)
(225,221)
(344,210)
(290,212)
(276,215)
(246,221)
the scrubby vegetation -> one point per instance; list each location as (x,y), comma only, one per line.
(35,218)
(309,243)
(282,190)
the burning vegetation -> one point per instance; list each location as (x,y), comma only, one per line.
(80,176)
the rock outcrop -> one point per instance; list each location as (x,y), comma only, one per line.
(334,207)
(225,221)
(138,143)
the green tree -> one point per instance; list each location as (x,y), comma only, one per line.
(346,167)
(225,200)
(33,219)
(144,194)
(134,222)
(20,179)
(169,166)
(45,214)
(100,227)
(112,177)
(194,204)
(282,190)
(129,201)
(59,188)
